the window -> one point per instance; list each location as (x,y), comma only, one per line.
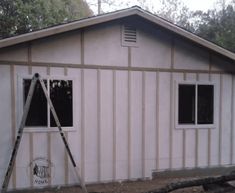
(61,94)
(195,104)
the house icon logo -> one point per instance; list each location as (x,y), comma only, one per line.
(41,169)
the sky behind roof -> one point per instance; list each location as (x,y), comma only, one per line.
(191,4)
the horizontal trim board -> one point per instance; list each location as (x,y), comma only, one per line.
(91,66)
(192,172)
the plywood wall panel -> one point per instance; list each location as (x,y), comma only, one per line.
(57,158)
(102,46)
(214,154)
(91,126)
(177,134)
(23,163)
(190,145)
(188,56)
(64,48)
(150,123)
(219,63)
(122,124)
(233,121)
(164,124)
(202,147)
(136,124)
(153,50)
(190,135)
(106,123)
(15,53)
(5,119)
(74,137)
(226,119)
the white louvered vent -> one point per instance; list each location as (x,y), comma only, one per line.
(129,35)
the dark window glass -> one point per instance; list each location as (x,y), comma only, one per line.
(205,104)
(186,104)
(37,115)
(61,97)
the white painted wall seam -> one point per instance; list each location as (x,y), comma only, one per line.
(66,166)
(184,135)
(31,135)
(209,130)
(129,125)
(232,123)
(98,127)
(196,133)
(13,118)
(220,120)
(143,124)
(171,123)
(114,128)
(82,126)
(157,121)
(82,46)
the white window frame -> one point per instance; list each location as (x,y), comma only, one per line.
(20,102)
(196,125)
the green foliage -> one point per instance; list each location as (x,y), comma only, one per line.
(174,11)
(218,26)
(22,16)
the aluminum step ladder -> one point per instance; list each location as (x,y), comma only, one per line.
(34,80)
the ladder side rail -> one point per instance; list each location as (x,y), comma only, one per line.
(62,133)
(57,121)
(19,134)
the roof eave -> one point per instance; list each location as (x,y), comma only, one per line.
(114,16)
(188,35)
(66,27)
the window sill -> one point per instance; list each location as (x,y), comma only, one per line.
(46,129)
(204,126)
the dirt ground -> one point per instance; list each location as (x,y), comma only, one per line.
(139,186)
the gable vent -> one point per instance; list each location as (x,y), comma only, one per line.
(129,35)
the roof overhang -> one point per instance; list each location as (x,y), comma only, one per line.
(114,16)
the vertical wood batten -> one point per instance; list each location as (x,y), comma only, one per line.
(98,127)
(196,135)
(220,119)
(129,114)
(30,58)
(129,126)
(171,123)
(232,123)
(157,121)
(143,124)
(31,136)
(184,135)
(129,57)
(66,166)
(114,127)
(209,129)
(13,118)
(82,47)
(171,104)
(49,134)
(82,139)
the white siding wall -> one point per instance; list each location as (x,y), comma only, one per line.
(124,120)
(5,119)
(59,49)
(102,46)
